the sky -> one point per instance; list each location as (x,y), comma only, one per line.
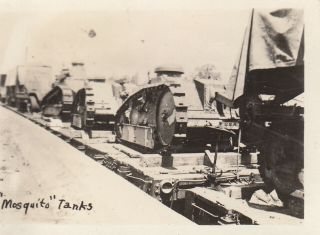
(128,41)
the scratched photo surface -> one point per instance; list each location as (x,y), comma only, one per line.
(164,114)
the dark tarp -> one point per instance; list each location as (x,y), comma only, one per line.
(272,51)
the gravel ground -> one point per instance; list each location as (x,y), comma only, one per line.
(39,170)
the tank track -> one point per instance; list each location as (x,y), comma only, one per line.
(181,109)
(90,110)
(53,109)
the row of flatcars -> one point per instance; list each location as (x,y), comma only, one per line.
(174,114)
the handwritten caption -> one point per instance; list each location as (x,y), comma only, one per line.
(43,203)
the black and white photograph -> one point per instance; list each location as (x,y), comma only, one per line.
(173,113)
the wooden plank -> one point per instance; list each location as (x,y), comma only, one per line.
(183,159)
(101,134)
(128,151)
(262,217)
(150,160)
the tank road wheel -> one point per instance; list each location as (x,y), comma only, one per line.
(281,167)
(166,119)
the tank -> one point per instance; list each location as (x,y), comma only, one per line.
(174,114)
(26,86)
(267,85)
(94,106)
(57,103)
(3,78)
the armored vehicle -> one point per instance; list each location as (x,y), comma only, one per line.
(173,113)
(26,86)
(58,101)
(3,78)
(266,81)
(95,106)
